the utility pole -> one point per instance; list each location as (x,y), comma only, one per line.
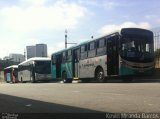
(66,39)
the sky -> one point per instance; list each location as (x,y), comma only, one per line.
(29,22)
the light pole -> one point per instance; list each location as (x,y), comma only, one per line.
(24,55)
(66,39)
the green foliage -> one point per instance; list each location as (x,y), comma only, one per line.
(157,53)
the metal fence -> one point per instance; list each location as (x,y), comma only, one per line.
(157,48)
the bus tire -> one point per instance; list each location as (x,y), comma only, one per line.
(99,75)
(32,80)
(69,81)
(64,77)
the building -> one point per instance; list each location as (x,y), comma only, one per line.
(39,50)
(6,58)
(31,51)
(12,59)
(16,57)
(156,32)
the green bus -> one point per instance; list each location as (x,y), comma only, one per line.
(129,52)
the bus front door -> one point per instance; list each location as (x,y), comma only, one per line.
(112,56)
(58,65)
(76,63)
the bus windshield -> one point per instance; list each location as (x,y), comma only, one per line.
(43,67)
(137,49)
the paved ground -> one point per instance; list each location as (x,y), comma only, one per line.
(112,97)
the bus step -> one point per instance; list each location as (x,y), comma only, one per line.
(75,78)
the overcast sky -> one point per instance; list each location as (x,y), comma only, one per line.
(27,22)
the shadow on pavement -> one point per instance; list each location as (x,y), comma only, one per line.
(130,79)
(28,108)
(138,79)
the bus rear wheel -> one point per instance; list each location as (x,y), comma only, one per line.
(99,75)
(64,78)
(32,80)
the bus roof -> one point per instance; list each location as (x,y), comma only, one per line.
(82,43)
(12,66)
(138,31)
(105,35)
(60,51)
(36,59)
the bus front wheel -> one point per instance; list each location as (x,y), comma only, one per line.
(99,75)
(64,78)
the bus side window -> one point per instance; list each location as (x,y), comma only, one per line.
(76,54)
(69,55)
(91,49)
(64,57)
(101,47)
(53,59)
(84,51)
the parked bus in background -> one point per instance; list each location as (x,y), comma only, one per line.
(129,52)
(11,74)
(62,65)
(35,69)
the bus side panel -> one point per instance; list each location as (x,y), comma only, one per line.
(53,71)
(19,76)
(26,75)
(84,71)
(68,68)
(88,66)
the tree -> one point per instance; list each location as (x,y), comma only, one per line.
(157,53)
